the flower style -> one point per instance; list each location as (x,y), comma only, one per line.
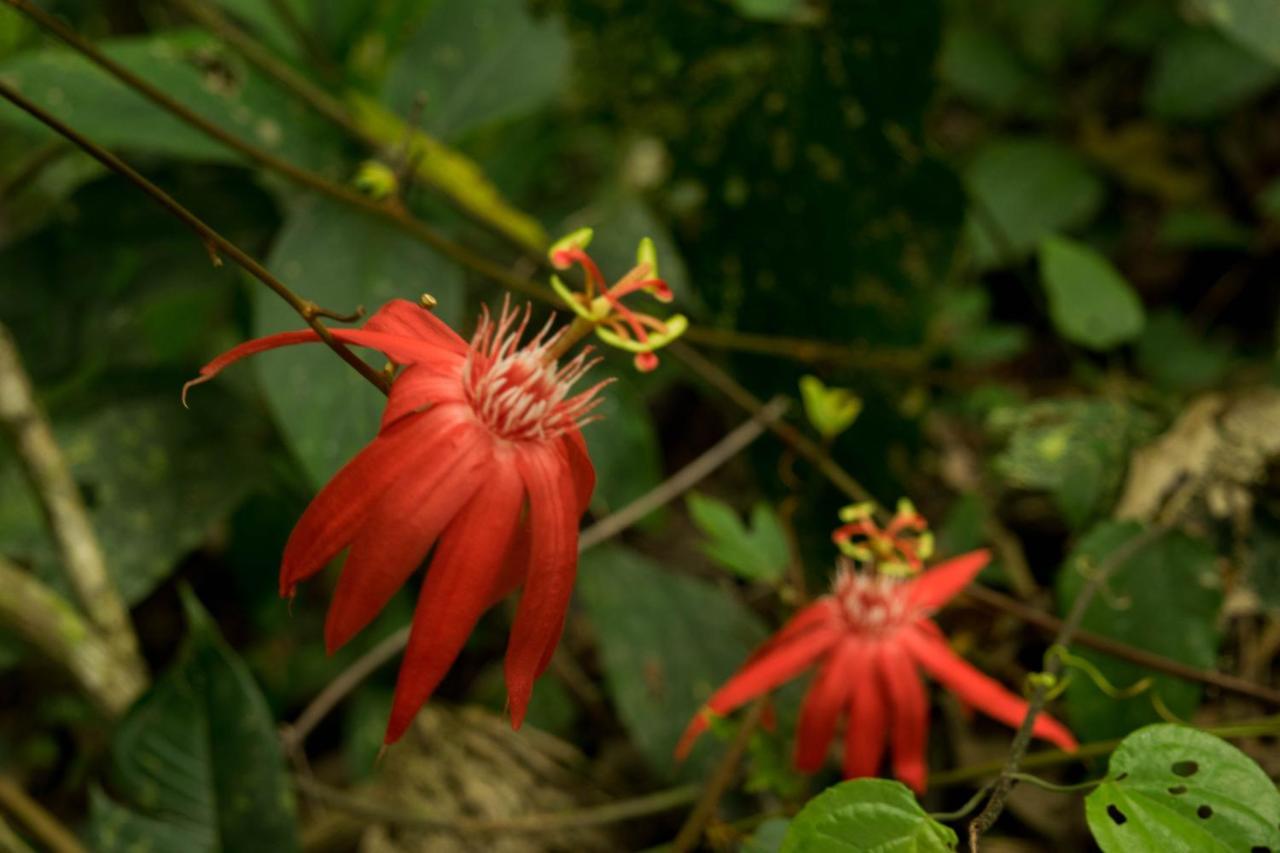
(478,454)
(867,639)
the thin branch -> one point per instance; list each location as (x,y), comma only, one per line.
(55,629)
(1050,624)
(42,825)
(66,516)
(309,311)
(721,778)
(1022,740)
(609,526)
(615,812)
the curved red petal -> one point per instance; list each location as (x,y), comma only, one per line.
(246,349)
(824,611)
(553,565)
(401,529)
(910,714)
(458,588)
(978,689)
(419,386)
(336,514)
(938,585)
(867,732)
(760,675)
(402,317)
(584,473)
(822,706)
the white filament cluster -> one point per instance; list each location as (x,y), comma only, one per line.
(872,602)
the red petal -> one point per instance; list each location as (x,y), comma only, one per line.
(401,528)
(553,564)
(823,611)
(584,473)
(418,387)
(458,588)
(336,514)
(246,349)
(910,715)
(980,690)
(822,706)
(867,731)
(760,675)
(402,317)
(935,587)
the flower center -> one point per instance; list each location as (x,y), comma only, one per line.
(872,602)
(518,391)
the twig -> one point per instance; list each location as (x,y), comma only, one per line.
(688,476)
(66,516)
(721,778)
(614,812)
(309,311)
(38,822)
(56,630)
(10,841)
(1050,624)
(608,527)
(1018,750)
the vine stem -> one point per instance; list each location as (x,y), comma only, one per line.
(1022,739)
(721,778)
(214,241)
(668,490)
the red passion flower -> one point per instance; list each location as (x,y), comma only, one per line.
(479,455)
(867,639)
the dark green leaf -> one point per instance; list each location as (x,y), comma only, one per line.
(198,759)
(340,258)
(1090,303)
(477,62)
(666,641)
(866,816)
(156,476)
(982,66)
(623,445)
(1176,356)
(1196,228)
(1199,75)
(1253,23)
(1164,599)
(1023,191)
(1178,790)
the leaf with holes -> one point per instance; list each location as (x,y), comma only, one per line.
(198,759)
(1173,788)
(866,815)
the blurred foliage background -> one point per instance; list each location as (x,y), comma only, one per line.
(1039,234)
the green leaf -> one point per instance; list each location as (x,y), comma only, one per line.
(623,446)
(1198,228)
(156,476)
(666,642)
(178,62)
(792,11)
(1178,357)
(961,321)
(831,411)
(757,553)
(478,62)
(340,258)
(1253,23)
(1023,191)
(1076,449)
(198,760)
(1174,789)
(983,68)
(1090,303)
(768,836)
(866,815)
(1199,75)
(1164,599)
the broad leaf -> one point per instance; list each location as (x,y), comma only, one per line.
(156,477)
(1023,191)
(983,67)
(1253,23)
(1174,789)
(1090,303)
(1164,599)
(1176,356)
(477,62)
(866,816)
(198,760)
(1200,75)
(758,552)
(666,641)
(623,444)
(180,63)
(339,258)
